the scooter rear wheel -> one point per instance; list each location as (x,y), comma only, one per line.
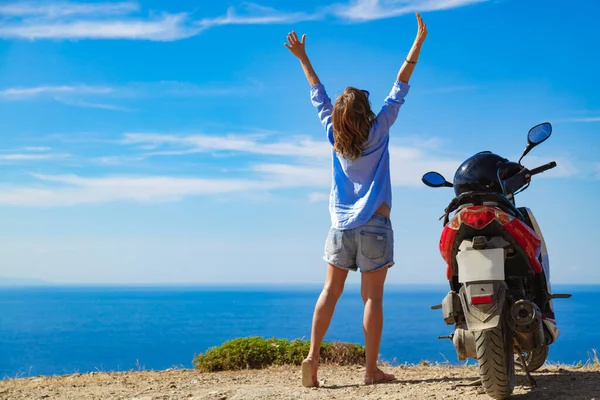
(534,359)
(495,355)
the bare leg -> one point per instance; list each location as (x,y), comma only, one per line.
(334,286)
(372,294)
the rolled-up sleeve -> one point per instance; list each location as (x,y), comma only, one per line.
(389,112)
(322,102)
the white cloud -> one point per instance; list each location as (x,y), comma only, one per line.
(254,14)
(294,175)
(580,119)
(68,190)
(318,197)
(38,148)
(367,10)
(126,91)
(76,21)
(410,157)
(408,162)
(305,164)
(167,27)
(28,92)
(60,9)
(85,104)
(117,160)
(354,11)
(30,157)
(86,96)
(199,143)
(407,167)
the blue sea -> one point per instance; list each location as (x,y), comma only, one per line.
(61,330)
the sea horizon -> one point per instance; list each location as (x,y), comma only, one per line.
(240,284)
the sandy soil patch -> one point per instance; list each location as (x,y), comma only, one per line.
(284,383)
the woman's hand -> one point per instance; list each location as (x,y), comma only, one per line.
(296,46)
(422,31)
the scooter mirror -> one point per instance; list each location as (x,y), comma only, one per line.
(435,180)
(539,133)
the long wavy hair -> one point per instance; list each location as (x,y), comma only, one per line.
(352,118)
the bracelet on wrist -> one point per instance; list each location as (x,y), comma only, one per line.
(409,61)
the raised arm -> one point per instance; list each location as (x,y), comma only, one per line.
(297,47)
(411,60)
(392,103)
(318,95)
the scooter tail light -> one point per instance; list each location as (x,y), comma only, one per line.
(503,217)
(479,217)
(455,222)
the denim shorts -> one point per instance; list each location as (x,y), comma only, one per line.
(368,247)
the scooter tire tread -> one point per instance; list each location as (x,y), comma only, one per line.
(496,363)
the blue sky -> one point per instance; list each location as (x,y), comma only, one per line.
(174,142)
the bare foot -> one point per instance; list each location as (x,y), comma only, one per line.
(309,373)
(378,377)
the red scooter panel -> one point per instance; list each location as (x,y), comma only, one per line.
(479,217)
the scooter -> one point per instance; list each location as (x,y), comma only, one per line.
(500,299)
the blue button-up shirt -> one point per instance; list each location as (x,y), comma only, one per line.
(360,187)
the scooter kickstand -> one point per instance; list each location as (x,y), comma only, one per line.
(532,381)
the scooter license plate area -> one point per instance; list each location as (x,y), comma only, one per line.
(480,265)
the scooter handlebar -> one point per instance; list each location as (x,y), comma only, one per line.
(543,168)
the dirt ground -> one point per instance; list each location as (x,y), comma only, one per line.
(419,382)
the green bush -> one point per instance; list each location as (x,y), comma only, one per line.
(257,352)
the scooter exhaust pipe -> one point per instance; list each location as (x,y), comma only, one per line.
(527,324)
(464,343)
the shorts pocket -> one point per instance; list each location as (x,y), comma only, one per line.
(373,244)
(334,242)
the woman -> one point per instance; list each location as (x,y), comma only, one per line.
(361,236)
